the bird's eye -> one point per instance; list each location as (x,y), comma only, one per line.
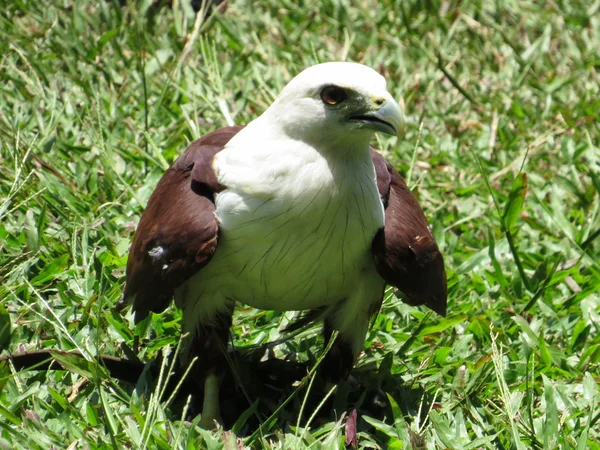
(332,95)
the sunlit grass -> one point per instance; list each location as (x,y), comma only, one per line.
(503,106)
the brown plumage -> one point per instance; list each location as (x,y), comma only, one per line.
(179,219)
(405,251)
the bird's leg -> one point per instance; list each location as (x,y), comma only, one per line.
(338,361)
(350,319)
(211,411)
(209,344)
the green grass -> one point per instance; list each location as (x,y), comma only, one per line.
(503,108)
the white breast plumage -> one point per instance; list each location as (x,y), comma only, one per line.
(300,227)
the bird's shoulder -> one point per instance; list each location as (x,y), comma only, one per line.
(177,233)
(263,166)
(405,251)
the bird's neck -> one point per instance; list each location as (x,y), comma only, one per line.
(265,161)
(335,147)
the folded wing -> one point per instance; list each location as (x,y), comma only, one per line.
(178,232)
(405,252)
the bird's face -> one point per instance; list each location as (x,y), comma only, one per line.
(335,102)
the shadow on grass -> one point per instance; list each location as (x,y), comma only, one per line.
(253,389)
(258,386)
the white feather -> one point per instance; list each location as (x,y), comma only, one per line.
(156,253)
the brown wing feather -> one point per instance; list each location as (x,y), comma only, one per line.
(405,251)
(178,227)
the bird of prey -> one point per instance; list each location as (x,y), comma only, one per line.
(294,211)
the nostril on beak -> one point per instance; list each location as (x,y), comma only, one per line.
(379,101)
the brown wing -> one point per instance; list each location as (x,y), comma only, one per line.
(177,234)
(406,254)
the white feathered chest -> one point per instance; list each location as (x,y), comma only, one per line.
(294,224)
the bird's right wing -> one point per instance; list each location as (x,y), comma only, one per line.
(178,232)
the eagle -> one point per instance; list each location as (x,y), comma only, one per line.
(293,212)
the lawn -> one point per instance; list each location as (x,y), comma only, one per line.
(502,101)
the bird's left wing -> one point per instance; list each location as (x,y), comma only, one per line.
(405,252)
(177,234)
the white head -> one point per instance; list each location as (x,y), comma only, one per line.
(336,103)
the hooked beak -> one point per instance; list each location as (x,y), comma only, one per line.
(388,119)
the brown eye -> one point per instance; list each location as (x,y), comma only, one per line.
(332,95)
